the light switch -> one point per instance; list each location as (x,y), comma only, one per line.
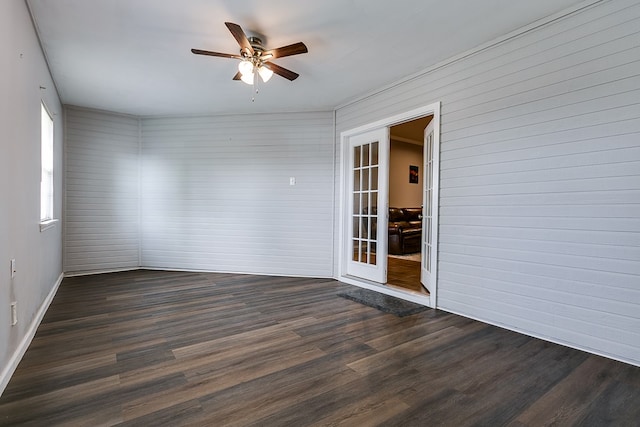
(292,180)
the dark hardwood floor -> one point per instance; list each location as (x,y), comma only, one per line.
(152,348)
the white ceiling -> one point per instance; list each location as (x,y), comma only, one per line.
(133,56)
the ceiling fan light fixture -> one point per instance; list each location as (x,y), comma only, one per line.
(245,67)
(265,73)
(247,78)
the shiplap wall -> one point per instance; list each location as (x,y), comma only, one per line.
(101,191)
(540,178)
(216,193)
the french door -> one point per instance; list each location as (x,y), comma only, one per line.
(368,189)
(430,211)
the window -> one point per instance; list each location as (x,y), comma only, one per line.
(46,176)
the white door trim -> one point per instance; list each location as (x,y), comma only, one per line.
(430,109)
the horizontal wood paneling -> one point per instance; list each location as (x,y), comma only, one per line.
(216,193)
(540,178)
(101,191)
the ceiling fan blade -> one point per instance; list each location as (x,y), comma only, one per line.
(209,53)
(237,76)
(240,36)
(287,74)
(292,49)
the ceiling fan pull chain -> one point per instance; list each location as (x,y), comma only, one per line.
(254,87)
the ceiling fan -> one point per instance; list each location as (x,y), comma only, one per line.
(255,58)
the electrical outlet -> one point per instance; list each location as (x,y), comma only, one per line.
(13,268)
(14,313)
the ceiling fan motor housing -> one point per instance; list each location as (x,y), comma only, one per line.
(256,44)
(258,58)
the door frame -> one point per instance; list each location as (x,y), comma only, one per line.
(343,241)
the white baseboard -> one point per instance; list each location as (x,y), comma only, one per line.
(193,270)
(188,270)
(10,368)
(94,272)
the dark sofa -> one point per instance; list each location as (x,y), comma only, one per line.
(405,230)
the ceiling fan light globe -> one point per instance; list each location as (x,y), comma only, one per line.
(247,78)
(245,67)
(265,73)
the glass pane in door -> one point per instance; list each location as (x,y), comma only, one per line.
(426,233)
(365,202)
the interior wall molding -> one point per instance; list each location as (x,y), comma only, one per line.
(15,359)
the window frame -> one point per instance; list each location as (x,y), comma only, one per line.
(47,168)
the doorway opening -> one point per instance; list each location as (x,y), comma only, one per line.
(406,175)
(364,209)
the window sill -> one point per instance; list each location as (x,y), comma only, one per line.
(45,225)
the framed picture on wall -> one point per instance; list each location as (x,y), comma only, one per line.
(413,174)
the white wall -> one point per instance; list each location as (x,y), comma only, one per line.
(102,201)
(216,193)
(540,178)
(38,254)
(402,193)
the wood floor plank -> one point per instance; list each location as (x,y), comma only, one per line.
(415,330)
(371,411)
(404,274)
(142,348)
(567,403)
(203,382)
(285,389)
(404,353)
(618,404)
(47,406)
(243,338)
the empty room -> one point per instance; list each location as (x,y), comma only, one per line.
(341,213)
